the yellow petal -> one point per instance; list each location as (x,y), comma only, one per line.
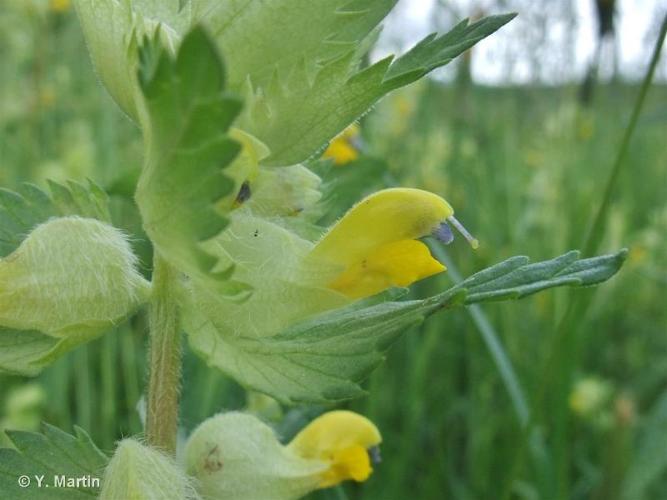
(340,438)
(335,430)
(399,263)
(368,250)
(384,217)
(350,463)
(342,149)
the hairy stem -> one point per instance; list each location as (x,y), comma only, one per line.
(165,360)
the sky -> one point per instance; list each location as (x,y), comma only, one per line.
(551,41)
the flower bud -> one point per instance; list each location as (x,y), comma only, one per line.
(137,471)
(70,278)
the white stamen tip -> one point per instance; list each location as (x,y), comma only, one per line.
(459,227)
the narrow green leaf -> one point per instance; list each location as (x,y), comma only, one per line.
(512,281)
(435,51)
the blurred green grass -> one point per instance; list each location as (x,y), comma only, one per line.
(524,169)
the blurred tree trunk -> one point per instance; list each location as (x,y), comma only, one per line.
(605,12)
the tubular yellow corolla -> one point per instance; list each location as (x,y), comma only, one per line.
(374,246)
(342,439)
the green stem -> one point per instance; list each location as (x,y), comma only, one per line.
(165,360)
(599,221)
(493,344)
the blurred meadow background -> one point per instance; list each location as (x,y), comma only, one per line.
(561,396)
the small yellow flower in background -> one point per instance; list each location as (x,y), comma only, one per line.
(238,457)
(345,148)
(346,440)
(585,126)
(375,245)
(59,6)
(404,106)
(638,254)
(589,396)
(47,96)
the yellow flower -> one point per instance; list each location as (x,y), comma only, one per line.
(375,245)
(59,6)
(344,440)
(638,254)
(238,457)
(344,148)
(589,396)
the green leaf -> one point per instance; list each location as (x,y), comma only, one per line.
(52,454)
(187,148)
(112,29)
(435,51)
(256,36)
(298,61)
(324,359)
(26,352)
(295,114)
(515,278)
(260,37)
(22,211)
